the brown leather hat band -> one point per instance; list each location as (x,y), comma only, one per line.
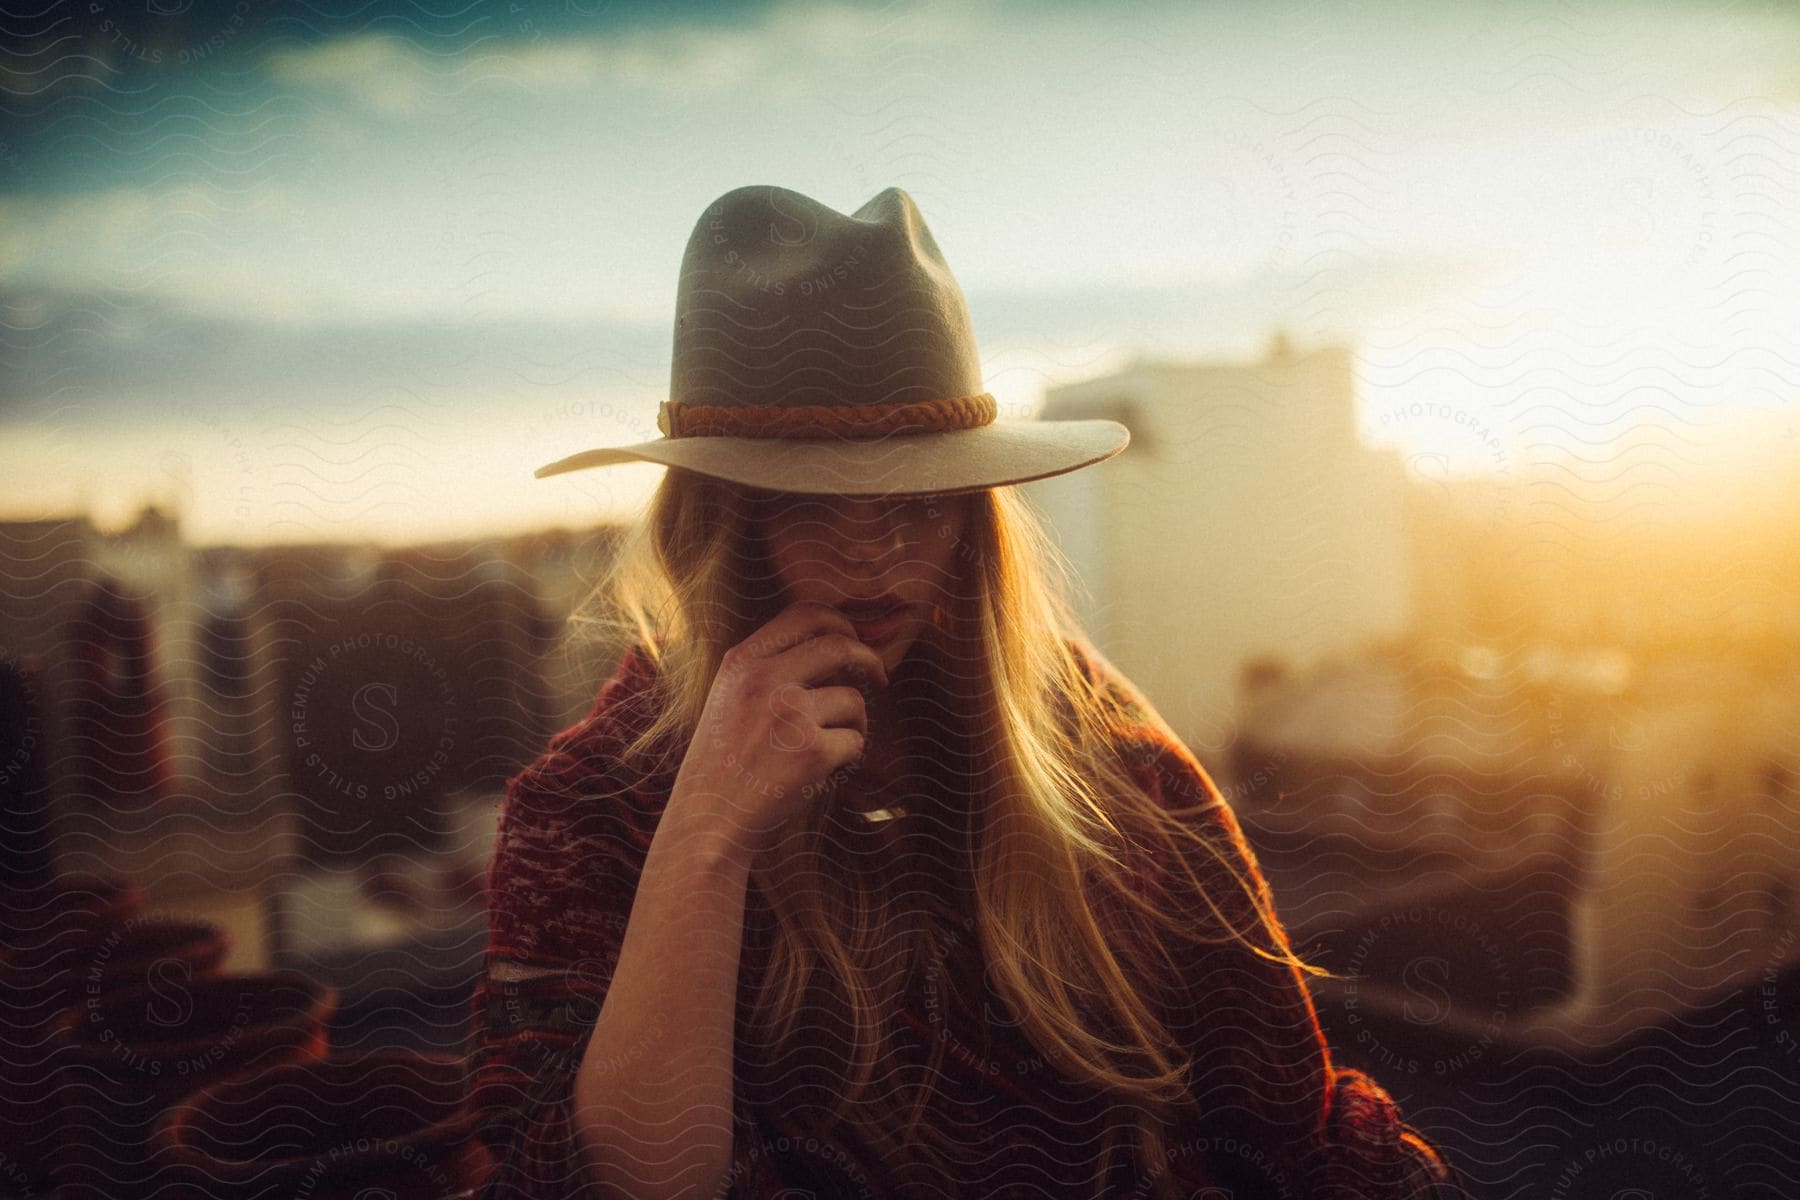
(677,419)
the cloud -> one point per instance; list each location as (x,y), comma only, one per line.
(113,224)
(386,75)
(392,77)
(103,350)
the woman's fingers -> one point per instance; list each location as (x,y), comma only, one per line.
(794,626)
(843,745)
(829,654)
(840,706)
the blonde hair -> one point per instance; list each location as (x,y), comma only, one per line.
(1055,805)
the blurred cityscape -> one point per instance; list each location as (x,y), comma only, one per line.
(1491,690)
(306,743)
(1526,778)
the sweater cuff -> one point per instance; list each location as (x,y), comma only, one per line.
(1369,1153)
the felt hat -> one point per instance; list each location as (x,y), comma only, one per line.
(830,354)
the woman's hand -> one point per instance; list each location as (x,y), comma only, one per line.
(775,725)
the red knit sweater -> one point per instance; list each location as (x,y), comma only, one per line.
(1273,1115)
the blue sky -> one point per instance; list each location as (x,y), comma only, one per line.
(311,272)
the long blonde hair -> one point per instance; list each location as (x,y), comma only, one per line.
(1054,807)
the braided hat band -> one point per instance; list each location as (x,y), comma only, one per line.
(678,419)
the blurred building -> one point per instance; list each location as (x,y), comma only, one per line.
(48,566)
(1697,855)
(1563,846)
(1244,520)
(1411,758)
(416,679)
(334,701)
(1532,556)
(150,772)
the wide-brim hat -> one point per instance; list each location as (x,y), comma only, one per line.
(830,354)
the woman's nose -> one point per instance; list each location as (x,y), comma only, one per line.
(869,532)
(871,544)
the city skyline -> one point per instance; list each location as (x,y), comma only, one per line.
(305,281)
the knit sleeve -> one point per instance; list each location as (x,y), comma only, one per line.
(1368,1150)
(574,831)
(1262,1067)
(533,1009)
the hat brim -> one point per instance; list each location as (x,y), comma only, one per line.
(991,455)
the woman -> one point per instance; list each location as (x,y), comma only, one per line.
(866,874)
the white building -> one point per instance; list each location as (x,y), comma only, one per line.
(1598,844)
(1244,519)
(1692,892)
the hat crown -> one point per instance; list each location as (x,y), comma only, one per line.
(784,302)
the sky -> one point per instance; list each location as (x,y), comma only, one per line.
(319,272)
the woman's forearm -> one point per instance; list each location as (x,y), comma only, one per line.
(653,1095)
